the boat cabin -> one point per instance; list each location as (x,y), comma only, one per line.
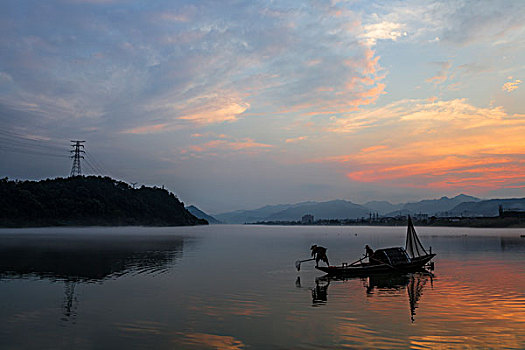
(391,256)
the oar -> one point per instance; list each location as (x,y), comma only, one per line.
(357,261)
(383,262)
(298,263)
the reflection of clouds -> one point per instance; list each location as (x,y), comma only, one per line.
(230,306)
(26,316)
(499,339)
(485,315)
(141,327)
(195,340)
(205,341)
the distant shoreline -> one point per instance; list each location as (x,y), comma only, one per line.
(478,222)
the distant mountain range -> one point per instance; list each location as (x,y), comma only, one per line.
(433,207)
(488,207)
(202,215)
(461,205)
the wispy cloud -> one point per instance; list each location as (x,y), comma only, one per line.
(224,144)
(382,31)
(217,115)
(442,144)
(295,139)
(147,129)
(442,75)
(511,85)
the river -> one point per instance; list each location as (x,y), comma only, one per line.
(236,287)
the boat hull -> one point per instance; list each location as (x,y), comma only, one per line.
(364,269)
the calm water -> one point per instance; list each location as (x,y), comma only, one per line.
(235,287)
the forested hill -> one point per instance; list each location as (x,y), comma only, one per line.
(89,201)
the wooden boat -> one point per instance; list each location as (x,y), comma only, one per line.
(411,258)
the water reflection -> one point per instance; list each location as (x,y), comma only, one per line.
(512,243)
(79,259)
(86,258)
(380,286)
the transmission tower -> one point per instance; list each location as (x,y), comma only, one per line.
(77,153)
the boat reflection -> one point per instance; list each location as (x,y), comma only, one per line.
(77,259)
(380,285)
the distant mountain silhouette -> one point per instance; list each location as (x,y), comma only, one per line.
(254,215)
(341,209)
(89,201)
(437,207)
(488,207)
(202,215)
(336,209)
(382,207)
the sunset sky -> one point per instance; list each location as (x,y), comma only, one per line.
(239,104)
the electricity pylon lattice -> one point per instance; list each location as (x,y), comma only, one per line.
(77,154)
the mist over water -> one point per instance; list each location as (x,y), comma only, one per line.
(233,286)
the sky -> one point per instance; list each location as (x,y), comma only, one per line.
(240,104)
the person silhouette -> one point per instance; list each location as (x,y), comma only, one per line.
(369,253)
(319,253)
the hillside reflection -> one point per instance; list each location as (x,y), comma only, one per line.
(380,286)
(86,258)
(76,259)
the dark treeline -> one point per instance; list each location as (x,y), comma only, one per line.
(91,200)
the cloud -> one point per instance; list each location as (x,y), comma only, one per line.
(225,144)
(295,139)
(511,85)
(229,112)
(440,144)
(382,31)
(5,77)
(442,75)
(147,129)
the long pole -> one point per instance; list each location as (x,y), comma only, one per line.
(298,263)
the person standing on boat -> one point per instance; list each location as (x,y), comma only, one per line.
(319,253)
(369,253)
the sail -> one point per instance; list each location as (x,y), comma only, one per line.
(413,245)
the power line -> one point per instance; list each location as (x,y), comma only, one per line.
(93,167)
(7,141)
(17,143)
(101,168)
(15,149)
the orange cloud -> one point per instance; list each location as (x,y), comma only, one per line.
(439,144)
(511,85)
(228,145)
(229,112)
(442,75)
(147,129)
(204,109)
(295,139)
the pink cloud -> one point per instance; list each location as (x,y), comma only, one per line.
(428,144)
(223,144)
(295,139)
(511,85)
(147,129)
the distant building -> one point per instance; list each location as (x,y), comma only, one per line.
(511,213)
(420,217)
(307,219)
